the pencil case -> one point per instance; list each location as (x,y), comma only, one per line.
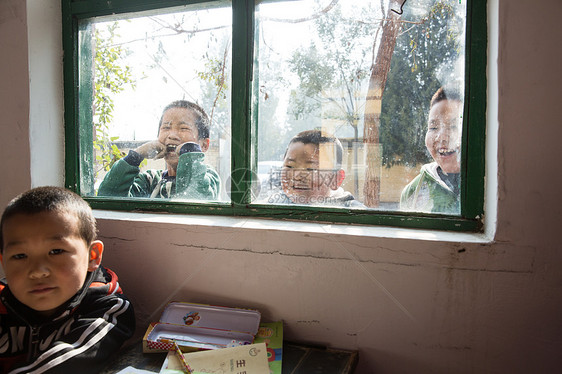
(201,327)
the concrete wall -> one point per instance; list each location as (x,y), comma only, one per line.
(409,301)
(14,100)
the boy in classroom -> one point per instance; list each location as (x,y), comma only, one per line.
(312,172)
(60,310)
(436,189)
(183,137)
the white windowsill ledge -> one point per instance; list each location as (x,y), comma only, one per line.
(293,226)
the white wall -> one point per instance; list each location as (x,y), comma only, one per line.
(14,100)
(45,87)
(409,302)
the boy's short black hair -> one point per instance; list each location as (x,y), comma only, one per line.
(316,137)
(446,93)
(202,119)
(52,199)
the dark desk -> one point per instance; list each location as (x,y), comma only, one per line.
(297,359)
(303,359)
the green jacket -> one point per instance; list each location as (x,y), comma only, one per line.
(194,180)
(429,193)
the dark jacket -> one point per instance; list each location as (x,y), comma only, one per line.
(78,338)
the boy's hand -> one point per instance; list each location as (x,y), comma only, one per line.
(153,149)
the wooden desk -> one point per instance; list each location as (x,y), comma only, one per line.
(297,359)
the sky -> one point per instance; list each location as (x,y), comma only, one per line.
(165,62)
(165,57)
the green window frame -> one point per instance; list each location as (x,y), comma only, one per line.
(78,142)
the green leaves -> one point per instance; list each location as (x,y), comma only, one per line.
(215,74)
(110,78)
(424,54)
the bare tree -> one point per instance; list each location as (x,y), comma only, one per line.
(390,27)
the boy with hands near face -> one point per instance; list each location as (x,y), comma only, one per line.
(60,310)
(183,137)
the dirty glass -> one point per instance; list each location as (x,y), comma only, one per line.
(131,68)
(344,113)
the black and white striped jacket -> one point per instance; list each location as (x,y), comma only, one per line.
(80,337)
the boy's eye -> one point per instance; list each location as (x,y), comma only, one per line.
(19,256)
(56,251)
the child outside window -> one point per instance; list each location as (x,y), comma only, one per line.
(183,137)
(437,188)
(312,172)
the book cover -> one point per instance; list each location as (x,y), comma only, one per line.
(271,333)
(246,359)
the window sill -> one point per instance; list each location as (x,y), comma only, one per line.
(293,226)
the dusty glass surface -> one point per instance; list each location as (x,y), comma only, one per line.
(134,66)
(359,76)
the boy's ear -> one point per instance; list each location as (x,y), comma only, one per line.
(96,252)
(340,177)
(204,143)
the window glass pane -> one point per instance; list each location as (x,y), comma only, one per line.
(362,72)
(155,94)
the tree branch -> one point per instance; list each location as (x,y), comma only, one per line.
(309,18)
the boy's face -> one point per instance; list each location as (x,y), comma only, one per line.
(45,259)
(309,175)
(178,127)
(443,136)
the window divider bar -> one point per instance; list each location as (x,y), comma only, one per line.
(71,149)
(242,58)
